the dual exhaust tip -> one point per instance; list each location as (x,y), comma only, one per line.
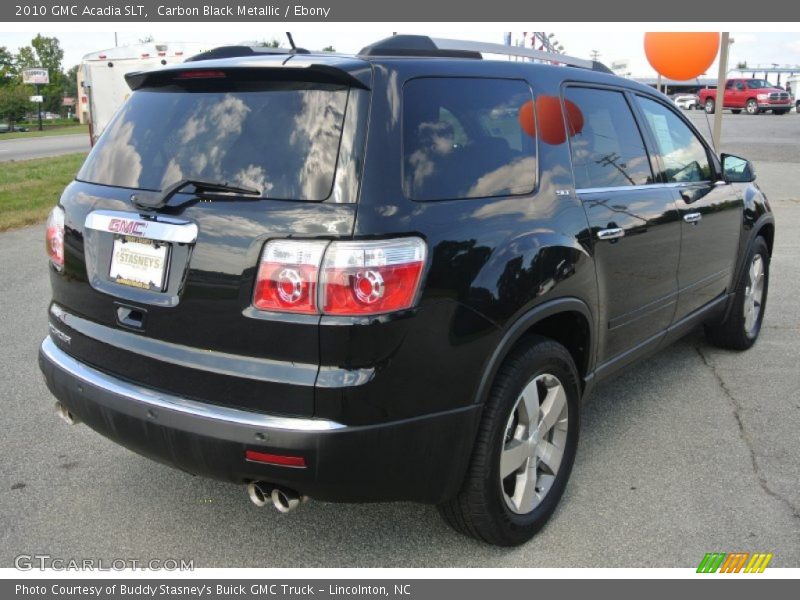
(63,412)
(283,499)
(261,493)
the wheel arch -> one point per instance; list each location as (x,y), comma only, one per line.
(568,321)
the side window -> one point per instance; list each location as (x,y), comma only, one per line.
(462,138)
(739,85)
(608,151)
(683,155)
(730,85)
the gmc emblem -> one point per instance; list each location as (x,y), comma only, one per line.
(127,226)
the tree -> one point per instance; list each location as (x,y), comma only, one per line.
(8,68)
(147,39)
(741,65)
(329,49)
(71,82)
(273,43)
(14,102)
(26,58)
(50,54)
(46,53)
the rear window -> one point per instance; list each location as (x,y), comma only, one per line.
(282,139)
(462,138)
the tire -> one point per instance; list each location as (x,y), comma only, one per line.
(740,329)
(486,507)
(751,106)
(709,106)
(736,111)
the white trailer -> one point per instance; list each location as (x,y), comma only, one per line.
(101,78)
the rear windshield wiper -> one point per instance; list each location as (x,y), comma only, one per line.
(200,186)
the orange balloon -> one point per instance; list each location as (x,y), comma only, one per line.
(681,55)
(551,119)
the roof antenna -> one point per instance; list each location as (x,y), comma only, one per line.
(291,40)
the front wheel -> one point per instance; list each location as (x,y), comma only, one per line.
(709,106)
(525,447)
(751,107)
(740,329)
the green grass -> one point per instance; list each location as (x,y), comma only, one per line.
(30,188)
(48,131)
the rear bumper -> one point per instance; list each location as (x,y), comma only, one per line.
(421,459)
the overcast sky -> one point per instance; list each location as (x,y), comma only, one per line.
(755,48)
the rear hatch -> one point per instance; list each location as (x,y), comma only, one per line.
(159,272)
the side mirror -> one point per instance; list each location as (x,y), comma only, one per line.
(737,170)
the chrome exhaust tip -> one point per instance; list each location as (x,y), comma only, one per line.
(259,492)
(286,500)
(63,412)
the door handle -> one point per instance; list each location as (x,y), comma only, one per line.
(611,234)
(692,217)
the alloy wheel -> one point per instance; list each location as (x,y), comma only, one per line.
(534,443)
(754,294)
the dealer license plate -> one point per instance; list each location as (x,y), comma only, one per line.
(139,263)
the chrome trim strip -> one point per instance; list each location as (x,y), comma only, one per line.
(160,228)
(648,186)
(132,399)
(212,361)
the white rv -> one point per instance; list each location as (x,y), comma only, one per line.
(101,78)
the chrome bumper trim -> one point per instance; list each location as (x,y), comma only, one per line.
(174,411)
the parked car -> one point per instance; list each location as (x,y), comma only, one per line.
(390,276)
(686,101)
(5,128)
(752,95)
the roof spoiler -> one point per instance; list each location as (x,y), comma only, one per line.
(234,51)
(278,71)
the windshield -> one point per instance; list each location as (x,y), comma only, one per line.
(282,141)
(758,84)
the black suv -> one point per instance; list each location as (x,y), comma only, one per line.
(390,276)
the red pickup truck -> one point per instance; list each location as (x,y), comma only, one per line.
(753,95)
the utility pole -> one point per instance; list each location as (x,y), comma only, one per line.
(595,55)
(722,74)
(39,105)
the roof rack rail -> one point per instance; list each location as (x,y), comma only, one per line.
(422,45)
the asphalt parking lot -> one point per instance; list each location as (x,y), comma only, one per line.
(692,451)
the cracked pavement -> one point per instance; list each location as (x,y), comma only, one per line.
(692,451)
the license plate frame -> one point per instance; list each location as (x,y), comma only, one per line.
(132,263)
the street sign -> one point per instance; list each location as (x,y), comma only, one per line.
(35,76)
(37,98)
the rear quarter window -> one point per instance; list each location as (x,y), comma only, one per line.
(462,138)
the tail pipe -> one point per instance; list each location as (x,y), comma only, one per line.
(65,414)
(283,499)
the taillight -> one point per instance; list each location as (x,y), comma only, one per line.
(339,278)
(367,278)
(55,237)
(287,276)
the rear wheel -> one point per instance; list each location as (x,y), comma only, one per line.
(740,329)
(751,107)
(525,448)
(709,105)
